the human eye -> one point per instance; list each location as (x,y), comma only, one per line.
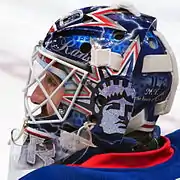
(51,81)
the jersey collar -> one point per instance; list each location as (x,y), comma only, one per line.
(133,159)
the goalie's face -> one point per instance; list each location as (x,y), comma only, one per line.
(52,88)
(50,82)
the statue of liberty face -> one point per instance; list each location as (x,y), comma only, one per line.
(117,110)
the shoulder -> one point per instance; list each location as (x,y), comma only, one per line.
(52,172)
(62,172)
(174,137)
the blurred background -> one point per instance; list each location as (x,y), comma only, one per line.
(24,22)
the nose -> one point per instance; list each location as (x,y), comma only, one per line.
(37,96)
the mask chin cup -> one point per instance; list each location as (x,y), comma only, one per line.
(70,143)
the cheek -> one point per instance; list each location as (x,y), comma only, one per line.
(58,96)
(56,99)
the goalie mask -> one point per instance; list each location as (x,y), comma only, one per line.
(107,66)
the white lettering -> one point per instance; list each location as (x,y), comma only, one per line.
(62,45)
(36,147)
